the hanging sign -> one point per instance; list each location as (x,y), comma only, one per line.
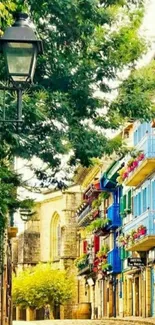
(136,261)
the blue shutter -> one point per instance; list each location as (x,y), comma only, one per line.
(138,134)
(138,204)
(144,128)
(153,195)
(144,200)
(135,138)
(148,195)
(149,148)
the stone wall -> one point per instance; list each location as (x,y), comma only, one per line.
(29,248)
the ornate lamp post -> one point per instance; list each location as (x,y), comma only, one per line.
(20,47)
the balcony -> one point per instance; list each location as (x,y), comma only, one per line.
(147,165)
(83,217)
(84,267)
(114,216)
(147,241)
(108,179)
(114,260)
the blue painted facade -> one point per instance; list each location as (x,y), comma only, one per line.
(143,196)
(115,260)
(108,182)
(113,214)
(143,203)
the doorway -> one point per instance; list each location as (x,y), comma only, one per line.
(153,292)
(137,296)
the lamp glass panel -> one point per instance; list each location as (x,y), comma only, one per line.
(19,59)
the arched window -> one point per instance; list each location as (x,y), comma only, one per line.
(55,238)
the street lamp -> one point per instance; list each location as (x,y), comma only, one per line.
(20,47)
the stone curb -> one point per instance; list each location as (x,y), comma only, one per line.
(139,321)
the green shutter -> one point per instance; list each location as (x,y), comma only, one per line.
(124,202)
(129,200)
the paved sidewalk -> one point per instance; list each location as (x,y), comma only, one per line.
(141,320)
(105,321)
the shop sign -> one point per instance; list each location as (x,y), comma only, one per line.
(136,261)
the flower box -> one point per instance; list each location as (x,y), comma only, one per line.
(142,232)
(135,163)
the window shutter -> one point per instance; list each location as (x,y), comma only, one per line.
(153,195)
(140,203)
(135,206)
(129,200)
(96,244)
(148,197)
(138,134)
(124,202)
(135,138)
(121,204)
(85,246)
(144,205)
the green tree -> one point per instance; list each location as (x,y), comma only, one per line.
(86,44)
(40,285)
(136,99)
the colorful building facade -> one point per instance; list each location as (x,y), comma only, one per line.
(138,226)
(99,264)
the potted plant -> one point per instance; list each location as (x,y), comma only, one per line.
(141,230)
(125,175)
(81,261)
(130,162)
(106,267)
(102,253)
(135,163)
(122,240)
(140,156)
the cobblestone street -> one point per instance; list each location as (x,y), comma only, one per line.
(125,321)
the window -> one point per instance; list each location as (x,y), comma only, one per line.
(55,237)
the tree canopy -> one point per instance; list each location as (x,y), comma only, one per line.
(40,285)
(87,44)
(136,99)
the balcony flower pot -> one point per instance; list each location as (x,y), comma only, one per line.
(130,162)
(125,175)
(97,185)
(132,168)
(106,267)
(129,169)
(135,236)
(142,232)
(135,163)
(141,157)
